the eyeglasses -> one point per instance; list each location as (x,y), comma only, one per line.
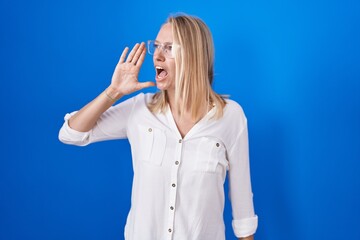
(166,48)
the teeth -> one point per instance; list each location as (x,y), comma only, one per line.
(157,67)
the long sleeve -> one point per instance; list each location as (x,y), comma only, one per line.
(112,124)
(244,219)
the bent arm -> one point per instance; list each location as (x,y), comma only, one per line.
(80,127)
(111,124)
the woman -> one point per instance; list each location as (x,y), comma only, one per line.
(184,139)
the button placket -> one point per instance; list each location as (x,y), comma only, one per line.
(173,188)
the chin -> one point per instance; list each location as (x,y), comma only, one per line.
(162,86)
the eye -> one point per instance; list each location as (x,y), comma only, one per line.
(168,48)
(155,45)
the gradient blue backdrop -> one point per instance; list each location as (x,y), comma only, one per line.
(292,65)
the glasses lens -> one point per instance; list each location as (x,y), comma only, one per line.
(167,48)
(151,47)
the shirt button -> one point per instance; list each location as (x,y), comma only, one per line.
(173,185)
(218,144)
(169,230)
(150,129)
(180,140)
(176,162)
(171,208)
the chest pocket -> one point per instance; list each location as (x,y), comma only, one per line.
(152,144)
(209,154)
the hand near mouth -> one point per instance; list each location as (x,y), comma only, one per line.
(125,77)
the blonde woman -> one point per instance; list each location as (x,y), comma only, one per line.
(184,138)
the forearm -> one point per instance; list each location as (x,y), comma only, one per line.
(85,119)
(247,238)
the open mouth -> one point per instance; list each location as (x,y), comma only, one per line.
(160,72)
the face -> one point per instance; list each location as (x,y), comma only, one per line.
(164,67)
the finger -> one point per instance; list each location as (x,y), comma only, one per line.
(141,85)
(123,55)
(138,53)
(132,53)
(141,58)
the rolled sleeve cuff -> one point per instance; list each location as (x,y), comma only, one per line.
(71,136)
(245,227)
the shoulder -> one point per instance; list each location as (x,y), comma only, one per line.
(141,102)
(233,108)
(232,104)
(234,115)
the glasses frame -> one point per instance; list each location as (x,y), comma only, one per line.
(153,44)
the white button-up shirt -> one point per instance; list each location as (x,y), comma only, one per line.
(178,184)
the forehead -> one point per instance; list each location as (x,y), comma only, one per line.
(165,33)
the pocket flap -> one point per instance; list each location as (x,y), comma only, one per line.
(153,144)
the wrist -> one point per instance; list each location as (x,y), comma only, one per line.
(113,94)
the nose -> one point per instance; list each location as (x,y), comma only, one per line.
(159,55)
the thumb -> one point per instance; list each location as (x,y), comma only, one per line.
(142,85)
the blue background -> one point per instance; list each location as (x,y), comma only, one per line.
(292,65)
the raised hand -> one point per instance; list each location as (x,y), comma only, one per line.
(125,77)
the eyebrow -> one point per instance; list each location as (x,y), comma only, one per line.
(163,42)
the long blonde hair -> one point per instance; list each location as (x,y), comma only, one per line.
(194,61)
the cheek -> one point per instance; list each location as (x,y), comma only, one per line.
(172,77)
(173,69)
